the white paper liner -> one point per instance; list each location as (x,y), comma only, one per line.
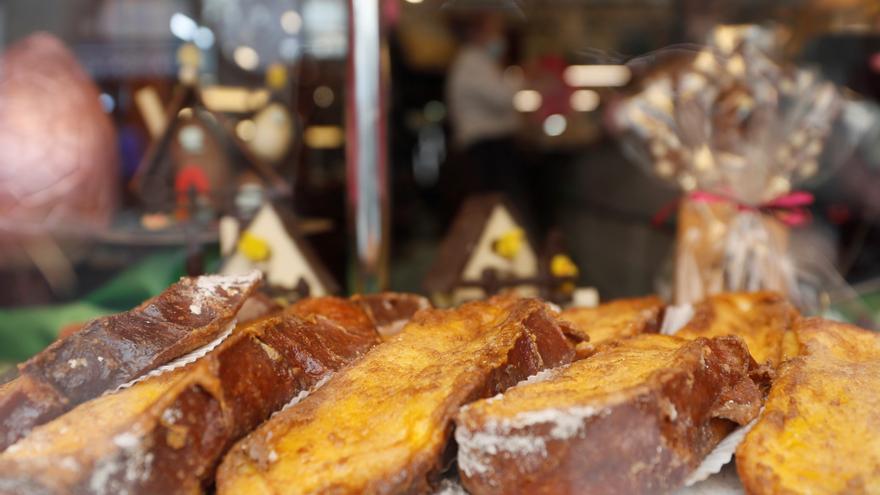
(676,317)
(710,477)
(305,393)
(726,482)
(721,454)
(182,361)
(450,487)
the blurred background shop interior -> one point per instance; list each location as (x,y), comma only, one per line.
(503,96)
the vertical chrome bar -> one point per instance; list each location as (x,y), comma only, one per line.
(366,167)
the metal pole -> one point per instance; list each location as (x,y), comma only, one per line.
(366,156)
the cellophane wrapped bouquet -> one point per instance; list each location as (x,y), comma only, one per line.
(739,131)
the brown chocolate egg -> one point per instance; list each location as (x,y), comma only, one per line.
(58,157)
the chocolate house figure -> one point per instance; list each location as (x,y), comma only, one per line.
(488,250)
(271,242)
(197,149)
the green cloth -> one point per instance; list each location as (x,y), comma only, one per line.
(872,300)
(863,309)
(26,331)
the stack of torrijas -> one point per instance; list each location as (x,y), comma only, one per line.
(167,433)
(111,351)
(371,408)
(384,424)
(637,415)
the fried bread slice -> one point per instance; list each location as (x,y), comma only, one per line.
(763,320)
(383,424)
(167,433)
(819,430)
(614,319)
(114,350)
(636,417)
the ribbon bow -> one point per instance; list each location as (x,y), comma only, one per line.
(790,209)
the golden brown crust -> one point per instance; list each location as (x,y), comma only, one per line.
(818,432)
(166,434)
(116,349)
(636,417)
(615,319)
(383,425)
(762,319)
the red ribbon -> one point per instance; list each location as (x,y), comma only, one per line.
(790,209)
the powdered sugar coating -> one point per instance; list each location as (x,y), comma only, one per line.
(120,474)
(77,363)
(206,287)
(540,376)
(514,437)
(126,440)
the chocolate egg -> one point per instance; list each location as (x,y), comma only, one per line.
(58,157)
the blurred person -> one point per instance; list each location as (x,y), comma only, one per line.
(483,118)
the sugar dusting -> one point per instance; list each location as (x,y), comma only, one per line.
(171,415)
(205,287)
(540,376)
(77,363)
(124,471)
(515,437)
(126,440)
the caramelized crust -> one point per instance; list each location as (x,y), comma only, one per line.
(615,319)
(257,306)
(762,319)
(384,424)
(116,349)
(167,434)
(113,350)
(24,403)
(819,430)
(636,417)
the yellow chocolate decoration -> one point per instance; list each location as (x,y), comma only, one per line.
(253,247)
(510,243)
(561,265)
